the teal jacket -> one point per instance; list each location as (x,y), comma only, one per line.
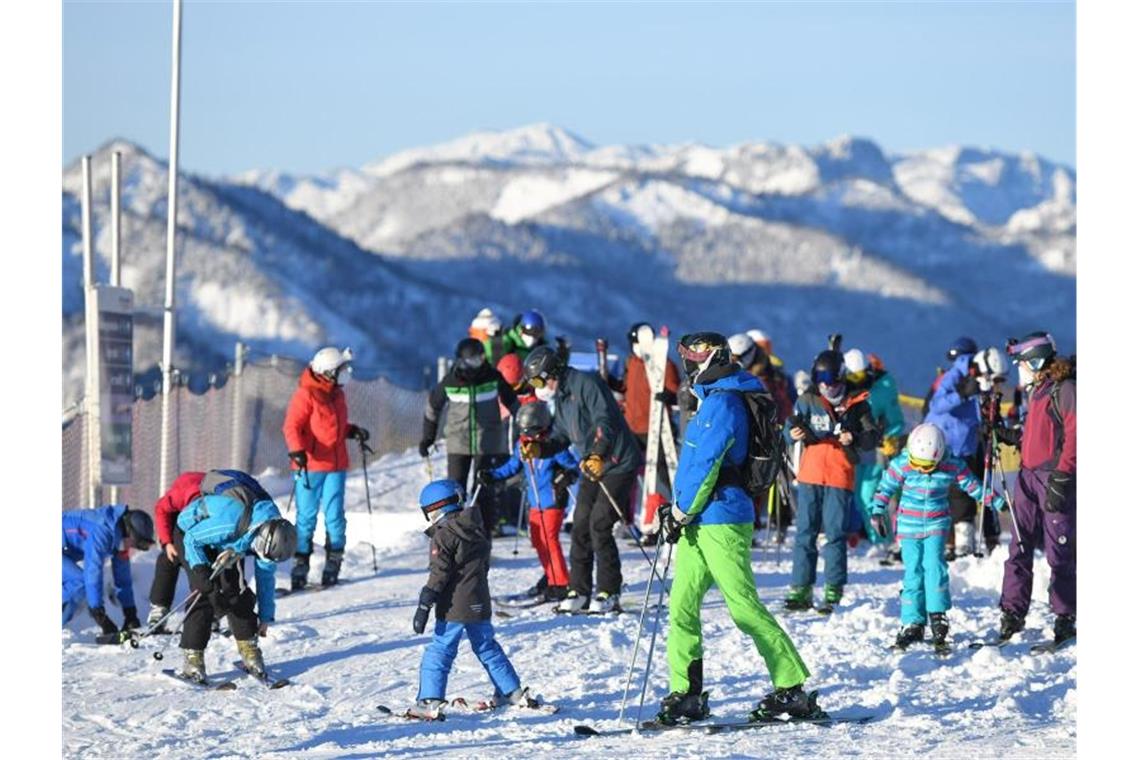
(211,522)
(885,407)
(716,436)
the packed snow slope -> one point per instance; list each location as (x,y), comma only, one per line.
(902,253)
(351,648)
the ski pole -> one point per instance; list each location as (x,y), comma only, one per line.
(1012,506)
(640,628)
(653,636)
(364,451)
(427,464)
(628,527)
(193,597)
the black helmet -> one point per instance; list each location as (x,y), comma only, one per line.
(469,357)
(533,419)
(828,368)
(1036,349)
(702,351)
(138,527)
(276,540)
(633,330)
(964,345)
(542,364)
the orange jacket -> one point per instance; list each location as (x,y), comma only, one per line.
(636,389)
(316,423)
(824,461)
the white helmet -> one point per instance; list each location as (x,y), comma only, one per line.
(486,321)
(802,381)
(329,359)
(739,344)
(926,445)
(855,361)
(760,338)
(992,367)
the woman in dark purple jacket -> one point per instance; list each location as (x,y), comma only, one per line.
(1045,507)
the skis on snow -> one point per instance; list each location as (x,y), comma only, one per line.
(264,678)
(206,684)
(440,711)
(716,727)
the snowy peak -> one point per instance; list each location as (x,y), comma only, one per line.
(533,145)
(849,157)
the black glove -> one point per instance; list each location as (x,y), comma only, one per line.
(666,397)
(1058,491)
(425,448)
(1007,435)
(563,479)
(131,619)
(967,386)
(669,528)
(99,615)
(356,433)
(427,601)
(484,477)
(299,458)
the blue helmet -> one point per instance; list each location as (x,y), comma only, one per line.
(532,323)
(441,497)
(963,345)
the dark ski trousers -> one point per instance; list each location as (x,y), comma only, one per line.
(241,615)
(963,508)
(820,508)
(1058,530)
(458,468)
(592,535)
(165,580)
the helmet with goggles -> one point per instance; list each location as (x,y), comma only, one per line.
(1036,349)
(541,366)
(701,352)
(925,446)
(439,498)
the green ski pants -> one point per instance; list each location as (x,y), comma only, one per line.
(722,554)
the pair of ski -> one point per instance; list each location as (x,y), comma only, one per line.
(264,679)
(717,727)
(943,649)
(461,704)
(1044,647)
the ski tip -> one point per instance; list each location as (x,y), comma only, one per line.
(226,686)
(384,709)
(585,731)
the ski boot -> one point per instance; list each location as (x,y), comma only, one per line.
(331,573)
(907,635)
(1010,624)
(792,701)
(251,657)
(572,603)
(554,593)
(964,539)
(603,602)
(798,598)
(156,615)
(831,597)
(1064,628)
(299,577)
(939,630)
(194,665)
(520,697)
(680,707)
(427,709)
(538,588)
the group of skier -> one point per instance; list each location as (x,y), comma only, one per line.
(517,410)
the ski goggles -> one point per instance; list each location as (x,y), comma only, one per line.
(540,380)
(825,377)
(1017,350)
(471,362)
(435,506)
(926,465)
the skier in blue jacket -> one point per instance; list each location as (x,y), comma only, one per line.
(90,537)
(215,534)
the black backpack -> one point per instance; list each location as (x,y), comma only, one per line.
(765,447)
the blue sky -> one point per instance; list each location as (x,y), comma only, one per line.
(306,86)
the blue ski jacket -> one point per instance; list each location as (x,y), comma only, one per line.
(93,535)
(544,472)
(958,418)
(716,436)
(211,522)
(924,506)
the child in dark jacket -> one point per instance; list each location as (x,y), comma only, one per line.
(545,478)
(457,588)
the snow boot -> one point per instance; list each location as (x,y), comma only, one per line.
(1010,624)
(603,602)
(157,613)
(798,598)
(554,593)
(299,577)
(251,657)
(1064,628)
(792,701)
(427,709)
(909,634)
(939,628)
(572,603)
(679,707)
(194,664)
(538,588)
(331,574)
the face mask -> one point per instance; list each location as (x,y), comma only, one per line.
(545,393)
(529,340)
(833,393)
(1025,376)
(985,384)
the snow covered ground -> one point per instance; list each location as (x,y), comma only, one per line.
(351,648)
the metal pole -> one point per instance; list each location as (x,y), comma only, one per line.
(91,401)
(236,415)
(171,222)
(116,245)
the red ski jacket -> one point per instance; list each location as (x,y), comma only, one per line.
(316,423)
(186,488)
(635,386)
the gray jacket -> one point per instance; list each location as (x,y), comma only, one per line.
(587,415)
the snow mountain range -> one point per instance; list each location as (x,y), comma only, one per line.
(899,252)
